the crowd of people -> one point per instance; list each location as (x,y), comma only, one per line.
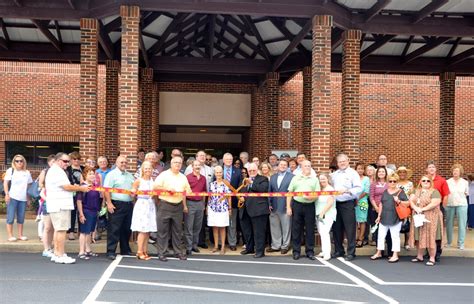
(363,209)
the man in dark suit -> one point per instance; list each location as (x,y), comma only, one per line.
(233,177)
(280,222)
(254,215)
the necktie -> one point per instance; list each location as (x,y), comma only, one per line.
(227,174)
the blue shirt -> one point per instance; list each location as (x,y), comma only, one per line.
(103,174)
(347,180)
(121,180)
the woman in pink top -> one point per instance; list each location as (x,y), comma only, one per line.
(377,188)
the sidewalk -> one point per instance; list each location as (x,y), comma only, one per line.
(34,244)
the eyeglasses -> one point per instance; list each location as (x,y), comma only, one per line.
(18,160)
(64,161)
(392,181)
(425,181)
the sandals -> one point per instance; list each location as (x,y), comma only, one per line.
(143,256)
(83,256)
(91,254)
(12,239)
(214,250)
(23,238)
(393,261)
(416,260)
(359,244)
(430,263)
(375,257)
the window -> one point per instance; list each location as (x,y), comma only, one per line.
(36,153)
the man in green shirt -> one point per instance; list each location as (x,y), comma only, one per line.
(120,207)
(302,208)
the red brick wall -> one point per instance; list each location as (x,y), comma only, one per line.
(290,108)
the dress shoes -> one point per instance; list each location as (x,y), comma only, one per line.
(284,251)
(195,249)
(111,257)
(272,250)
(189,252)
(349,257)
(203,246)
(162,258)
(296,256)
(245,251)
(311,256)
(233,248)
(336,255)
(259,255)
(182,257)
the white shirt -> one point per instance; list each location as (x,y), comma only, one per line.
(57,198)
(458,192)
(19,183)
(349,180)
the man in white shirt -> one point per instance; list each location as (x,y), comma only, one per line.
(382,161)
(60,203)
(345,180)
(244,158)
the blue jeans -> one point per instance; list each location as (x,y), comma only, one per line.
(461,213)
(17,207)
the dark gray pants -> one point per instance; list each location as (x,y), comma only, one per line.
(193,223)
(170,218)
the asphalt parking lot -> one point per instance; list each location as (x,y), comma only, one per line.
(233,279)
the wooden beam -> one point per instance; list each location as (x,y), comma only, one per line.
(210,37)
(427,47)
(4,30)
(407,46)
(58,31)
(248,21)
(296,41)
(43,28)
(454,47)
(143,49)
(157,46)
(461,56)
(336,39)
(3,43)
(149,19)
(105,42)
(72,4)
(236,43)
(428,9)
(113,25)
(238,36)
(375,46)
(280,25)
(375,9)
(182,35)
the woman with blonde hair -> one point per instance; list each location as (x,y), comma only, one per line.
(266,170)
(144,211)
(406,185)
(426,201)
(16,182)
(325,216)
(457,205)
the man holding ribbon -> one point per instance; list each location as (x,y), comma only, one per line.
(254,215)
(171,208)
(302,208)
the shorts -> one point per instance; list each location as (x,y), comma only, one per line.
(18,208)
(61,220)
(89,225)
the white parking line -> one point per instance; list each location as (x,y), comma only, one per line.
(91,298)
(382,282)
(198,288)
(360,282)
(239,275)
(242,262)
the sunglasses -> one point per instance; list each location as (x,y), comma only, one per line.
(425,181)
(392,181)
(65,161)
(18,160)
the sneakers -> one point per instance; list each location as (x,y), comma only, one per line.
(48,253)
(65,260)
(55,257)
(461,247)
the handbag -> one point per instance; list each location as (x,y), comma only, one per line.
(402,210)
(33,190)
(405,226)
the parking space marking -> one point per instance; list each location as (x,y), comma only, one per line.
(360,282)
(242,262)
(239,275)
(102,281)
(198,288)
(382,282)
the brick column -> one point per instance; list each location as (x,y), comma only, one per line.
(112,69)
(258,121)
(129,102)
(155,133)
(307,112)
(447,82)
(146,84)
(88,89)
(350,126)
(321,93)
(273,124)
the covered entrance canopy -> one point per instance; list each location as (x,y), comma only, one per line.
(258,42)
